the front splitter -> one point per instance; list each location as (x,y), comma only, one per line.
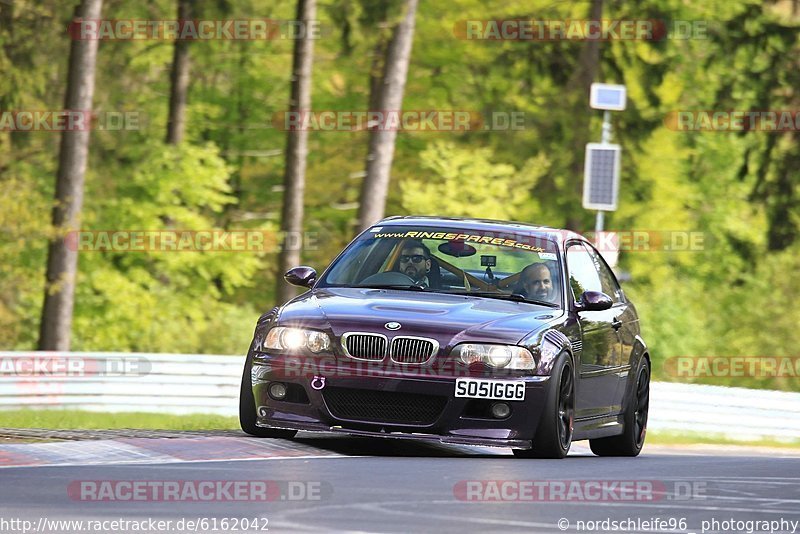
(448,440)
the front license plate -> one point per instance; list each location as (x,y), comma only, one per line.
(473,388)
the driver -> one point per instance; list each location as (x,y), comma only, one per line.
(537,283)
(415,262)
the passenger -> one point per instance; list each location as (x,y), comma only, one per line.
(536,283)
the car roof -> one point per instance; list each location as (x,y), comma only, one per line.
(488,225)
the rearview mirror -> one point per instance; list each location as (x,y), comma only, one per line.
(457,249)
(593,301)
(302,276)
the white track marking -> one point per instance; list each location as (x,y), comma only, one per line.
(179,461)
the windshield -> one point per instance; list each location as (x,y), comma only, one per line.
(488,264)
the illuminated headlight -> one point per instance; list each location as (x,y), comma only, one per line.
(289,338)
(497,356)
(296,339)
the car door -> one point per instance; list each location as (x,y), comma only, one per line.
(599,355)
(623,320)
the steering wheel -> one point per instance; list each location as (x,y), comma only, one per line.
(389,278)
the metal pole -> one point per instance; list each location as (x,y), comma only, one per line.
(606,127)
(598,224)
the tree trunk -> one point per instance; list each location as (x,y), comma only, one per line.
(381,142)
(580,85)
(588,61)
(294,176)
(62,261)
(377,67)
(376,74)
(179,81)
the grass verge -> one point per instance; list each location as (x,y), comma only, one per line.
(77,419)
(694,438)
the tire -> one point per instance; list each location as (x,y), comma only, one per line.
(631,441)
(553,438)
(247,410)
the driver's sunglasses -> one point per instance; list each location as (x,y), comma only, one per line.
(416,258)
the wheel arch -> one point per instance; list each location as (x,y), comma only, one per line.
(640,353)
(562,344)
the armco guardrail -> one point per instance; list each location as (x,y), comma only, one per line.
(737,413)
(121,382)
(198,383)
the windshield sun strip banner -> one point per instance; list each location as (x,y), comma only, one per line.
(467,238)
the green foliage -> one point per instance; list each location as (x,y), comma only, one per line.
(169,188)
(462,182)
(24,229)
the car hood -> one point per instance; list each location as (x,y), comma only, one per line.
(449,319)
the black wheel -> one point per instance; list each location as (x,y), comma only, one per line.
(631,441)
(553,438)
(247,411)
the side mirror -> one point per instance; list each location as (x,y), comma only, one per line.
(302,276)
(593,301)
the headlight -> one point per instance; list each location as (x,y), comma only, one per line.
(497,356)
(317,341)
(291,339)
(296,339)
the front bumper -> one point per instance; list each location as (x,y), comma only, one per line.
(455,424)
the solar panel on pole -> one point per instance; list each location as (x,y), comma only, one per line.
(601,176)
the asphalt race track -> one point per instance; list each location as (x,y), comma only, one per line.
(322,483)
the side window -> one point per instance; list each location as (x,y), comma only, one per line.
(607,279)
(583,275)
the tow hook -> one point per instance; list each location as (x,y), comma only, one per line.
(317,383)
